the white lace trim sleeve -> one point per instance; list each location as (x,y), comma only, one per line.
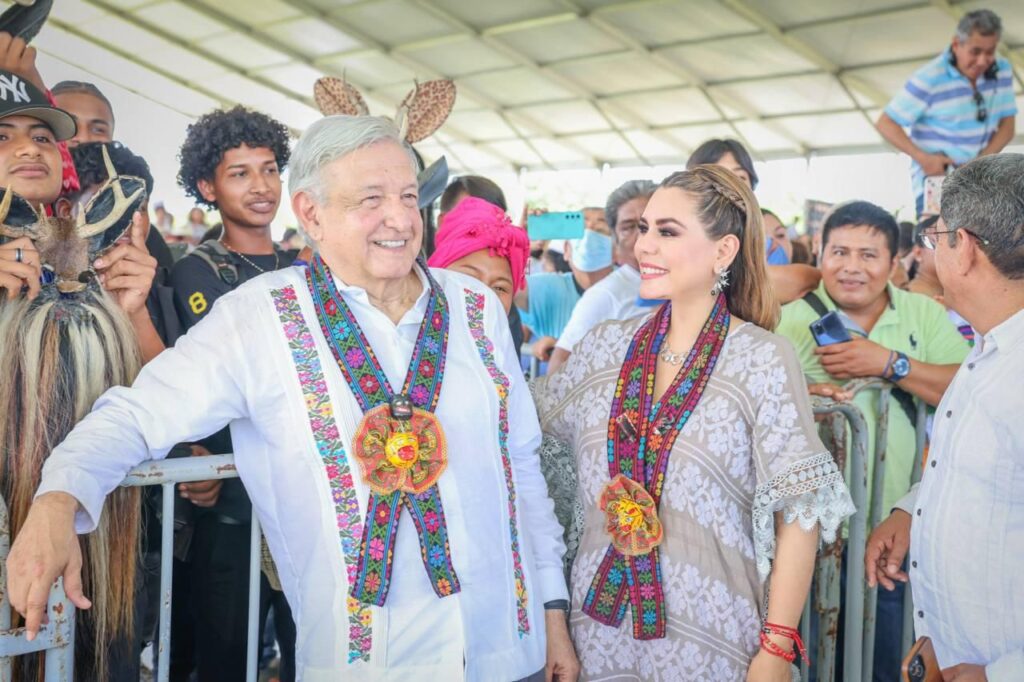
(812,491)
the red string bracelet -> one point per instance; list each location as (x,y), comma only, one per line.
(775,650)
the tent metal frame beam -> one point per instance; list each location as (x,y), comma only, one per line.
(687,76)
(525,61)
(731,109)
(473,93)
(294,55)
(845,81)
(130,57)
(667,127)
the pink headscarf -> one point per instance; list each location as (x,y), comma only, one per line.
(475,225)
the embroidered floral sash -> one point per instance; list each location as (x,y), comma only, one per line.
(324,428)
(399,445)
(641,434)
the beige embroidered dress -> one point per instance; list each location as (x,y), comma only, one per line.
(749,449)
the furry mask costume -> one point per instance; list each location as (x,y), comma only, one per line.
(58,353)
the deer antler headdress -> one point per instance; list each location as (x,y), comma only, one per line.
(418,116)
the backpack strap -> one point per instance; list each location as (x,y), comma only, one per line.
(216,255)
(816,304)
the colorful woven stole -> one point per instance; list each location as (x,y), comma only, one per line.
(395,482)
(640,440)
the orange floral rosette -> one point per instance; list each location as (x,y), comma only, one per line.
(407,455)
(631,518)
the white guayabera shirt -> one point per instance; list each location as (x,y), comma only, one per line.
(967,535)
(260,362)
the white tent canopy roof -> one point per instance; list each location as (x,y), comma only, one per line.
(542,84)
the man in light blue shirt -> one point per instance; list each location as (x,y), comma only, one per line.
(957,107)
(548,301)
(964,522)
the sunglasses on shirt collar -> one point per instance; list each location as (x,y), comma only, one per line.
(979,102)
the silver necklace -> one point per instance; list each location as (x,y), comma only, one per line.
(671,358)
(277,259)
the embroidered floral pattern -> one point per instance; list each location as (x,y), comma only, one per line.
(475,316)
(739,459)
(369,385)
(328,443)
(631,517)
(641,434)
(701,610)
(812,491)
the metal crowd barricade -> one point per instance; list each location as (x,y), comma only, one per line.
(824,598)
(861,603)
(58,637)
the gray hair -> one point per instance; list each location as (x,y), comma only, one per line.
(986,196)
(983,21)
(626,192)
(331,138)
(326,141)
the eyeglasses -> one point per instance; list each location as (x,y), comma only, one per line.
(927,239)
(979,102)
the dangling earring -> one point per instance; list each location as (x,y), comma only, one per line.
(722,283)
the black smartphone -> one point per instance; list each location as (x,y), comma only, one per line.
(829,329)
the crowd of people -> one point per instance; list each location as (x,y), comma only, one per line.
(649,506)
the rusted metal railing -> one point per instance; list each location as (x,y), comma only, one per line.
(57,638)
(860,619)
(825,590)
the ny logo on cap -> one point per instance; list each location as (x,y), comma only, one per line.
(9,83)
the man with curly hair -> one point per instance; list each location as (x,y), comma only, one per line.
(230,161)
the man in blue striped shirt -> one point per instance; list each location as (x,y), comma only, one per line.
(958,106)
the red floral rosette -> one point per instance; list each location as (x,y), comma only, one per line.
(407,455)
(631,518)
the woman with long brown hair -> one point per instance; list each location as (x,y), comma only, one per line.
(700,470)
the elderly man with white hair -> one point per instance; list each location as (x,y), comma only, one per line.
(381,427)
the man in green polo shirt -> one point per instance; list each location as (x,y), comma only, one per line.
(901,336)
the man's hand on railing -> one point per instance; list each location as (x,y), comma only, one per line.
(886,549)
(46,548)
(201,493)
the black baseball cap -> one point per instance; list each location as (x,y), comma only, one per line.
(18,97)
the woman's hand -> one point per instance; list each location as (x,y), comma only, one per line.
(767,667)
(562,666)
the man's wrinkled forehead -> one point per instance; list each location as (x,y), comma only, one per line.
(379,166)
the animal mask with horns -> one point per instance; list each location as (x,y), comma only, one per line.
(68,246)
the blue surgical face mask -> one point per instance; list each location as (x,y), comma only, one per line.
(592,251)
(778,255)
